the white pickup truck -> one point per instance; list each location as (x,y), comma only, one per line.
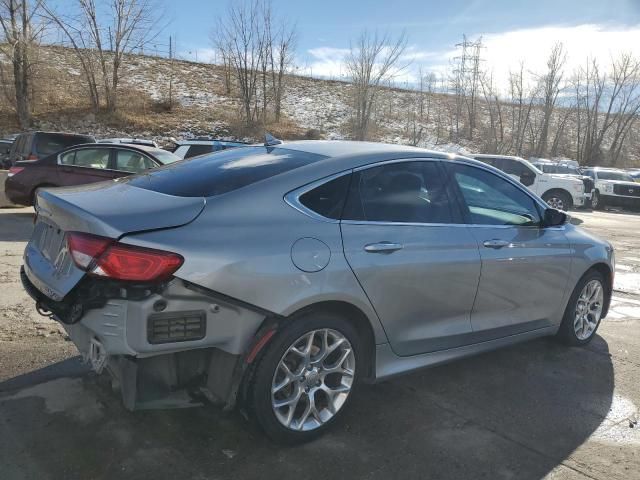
(614,188)
(559,191)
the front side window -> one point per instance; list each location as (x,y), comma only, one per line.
(130,161)
(492,200)
(406,192)
(89,158)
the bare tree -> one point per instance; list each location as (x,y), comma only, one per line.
(607,106)
(550,86)
(373,60)
(281,55)
(496,141)
(522,104)
(102,34)
(20,36)
(241,37)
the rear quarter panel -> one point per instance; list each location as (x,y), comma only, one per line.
(241,246)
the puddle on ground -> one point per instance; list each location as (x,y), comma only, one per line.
(64,395)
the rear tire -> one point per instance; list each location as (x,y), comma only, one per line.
(295,398)
(558,200)
(583,314)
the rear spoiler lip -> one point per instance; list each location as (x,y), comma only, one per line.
(69,216)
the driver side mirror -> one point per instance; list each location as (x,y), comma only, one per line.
(554,218)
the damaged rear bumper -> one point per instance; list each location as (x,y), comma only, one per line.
(161,344)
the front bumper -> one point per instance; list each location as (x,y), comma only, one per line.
(620,201)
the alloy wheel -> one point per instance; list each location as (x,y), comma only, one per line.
(588,310)
(313,380)
(556,202)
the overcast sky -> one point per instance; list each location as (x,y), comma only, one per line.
(512,30)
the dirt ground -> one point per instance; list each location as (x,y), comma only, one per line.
(535,410)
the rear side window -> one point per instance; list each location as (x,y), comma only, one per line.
(328,199)
(406,192)
(48,143)
(221,172)
(195,150)
(130,161)
(88,158)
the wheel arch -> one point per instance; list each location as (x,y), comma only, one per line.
(608,274)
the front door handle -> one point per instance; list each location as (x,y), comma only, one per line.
(383,247)
(495,243)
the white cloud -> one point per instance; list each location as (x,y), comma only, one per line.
(504,51)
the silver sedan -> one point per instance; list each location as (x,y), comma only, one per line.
(277,278)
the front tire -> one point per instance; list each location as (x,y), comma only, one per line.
(305,379)
(558,200)
(597,202)
(584,311)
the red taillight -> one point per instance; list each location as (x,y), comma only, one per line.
(32,157)
(107,258)
(14,170)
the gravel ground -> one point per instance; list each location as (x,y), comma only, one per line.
(534,410)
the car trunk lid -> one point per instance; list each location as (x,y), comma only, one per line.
(106,209)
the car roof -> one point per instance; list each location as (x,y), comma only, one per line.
(606,169)
(489,155)
(340,148)
(71,134)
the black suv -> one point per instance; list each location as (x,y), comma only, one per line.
(37,145)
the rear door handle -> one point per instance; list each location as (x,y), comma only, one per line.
(495,243)
(383,247)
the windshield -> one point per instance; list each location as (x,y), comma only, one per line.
(565,169)
(165,157)
(221,172)
(613,175)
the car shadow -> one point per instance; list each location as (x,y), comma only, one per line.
(519,412)
(16,226)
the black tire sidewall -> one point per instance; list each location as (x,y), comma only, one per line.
(260,389)
(566,332)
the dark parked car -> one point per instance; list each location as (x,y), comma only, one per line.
(5,148)
(37,145)
(81,164)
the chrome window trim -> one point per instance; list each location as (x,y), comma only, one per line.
(293,197)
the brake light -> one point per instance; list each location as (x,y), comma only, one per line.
(14,170)
(105,257)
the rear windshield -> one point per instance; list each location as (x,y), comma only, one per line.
(48,143)
(221,172)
